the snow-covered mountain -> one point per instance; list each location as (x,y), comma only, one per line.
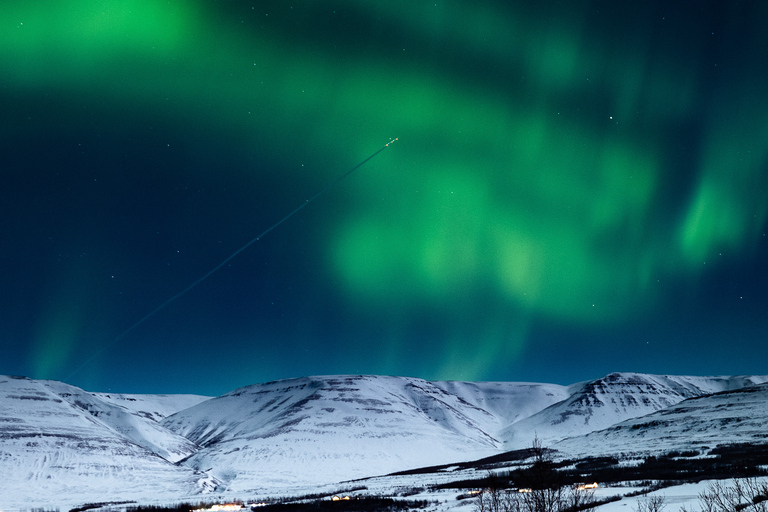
(700,423)
(131,419)
(598,404)
(329,429)
(61,446)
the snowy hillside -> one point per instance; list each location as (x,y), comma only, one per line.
(507,401)
(739,416)
(135,425)
(328,429)
(59,447)
(598,404)
(153,407)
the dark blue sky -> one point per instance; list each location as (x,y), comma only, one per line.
(576,189)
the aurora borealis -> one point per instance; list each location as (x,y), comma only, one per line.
(577,188)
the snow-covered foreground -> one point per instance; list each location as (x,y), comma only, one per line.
(61,447)
(675,497)
(452,500)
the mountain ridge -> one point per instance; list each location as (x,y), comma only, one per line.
(600,403)
(332,428)
(325,429)
(695,424)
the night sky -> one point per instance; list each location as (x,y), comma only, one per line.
(579,187)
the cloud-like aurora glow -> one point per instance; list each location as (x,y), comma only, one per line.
(536,176)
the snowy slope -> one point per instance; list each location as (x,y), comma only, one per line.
(135,425)
(327,429)
(598,404)
(509,402)
(152,407)
(739,416)
(54,454)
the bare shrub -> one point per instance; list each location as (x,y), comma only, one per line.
(743,494)
(577,500)
(497,500)
(653,503)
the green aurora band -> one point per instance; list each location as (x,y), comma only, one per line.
(537,186)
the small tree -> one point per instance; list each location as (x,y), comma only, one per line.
(547,492)
(654,503)
(494,499)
